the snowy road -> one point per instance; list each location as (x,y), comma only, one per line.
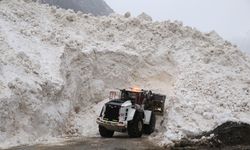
(120,142)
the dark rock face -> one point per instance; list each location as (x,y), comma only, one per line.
(232,133)
(95,7)
(226,136)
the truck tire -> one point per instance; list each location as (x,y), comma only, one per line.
(150,128)
(105,132)
(135,126)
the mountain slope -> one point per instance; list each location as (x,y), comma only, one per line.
(95,7)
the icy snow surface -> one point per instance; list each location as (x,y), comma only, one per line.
(56,67)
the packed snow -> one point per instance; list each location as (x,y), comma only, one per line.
(57,67)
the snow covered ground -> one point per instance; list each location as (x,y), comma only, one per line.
(56,67)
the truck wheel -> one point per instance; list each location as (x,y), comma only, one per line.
(135,127)
(150,128)
(105,132)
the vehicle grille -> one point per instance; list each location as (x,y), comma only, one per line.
(112,112)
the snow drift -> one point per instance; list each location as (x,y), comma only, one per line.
(56,67)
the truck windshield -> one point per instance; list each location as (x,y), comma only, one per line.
(128,95)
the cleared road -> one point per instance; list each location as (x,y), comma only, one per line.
(120,142)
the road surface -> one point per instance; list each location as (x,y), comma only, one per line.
(120,142)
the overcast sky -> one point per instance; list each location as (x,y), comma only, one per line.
(229,18)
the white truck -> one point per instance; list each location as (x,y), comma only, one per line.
(133,112)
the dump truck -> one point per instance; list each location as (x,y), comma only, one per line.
(130,110)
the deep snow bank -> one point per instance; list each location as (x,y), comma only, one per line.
(55,65)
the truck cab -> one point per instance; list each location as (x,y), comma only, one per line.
(131,111)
